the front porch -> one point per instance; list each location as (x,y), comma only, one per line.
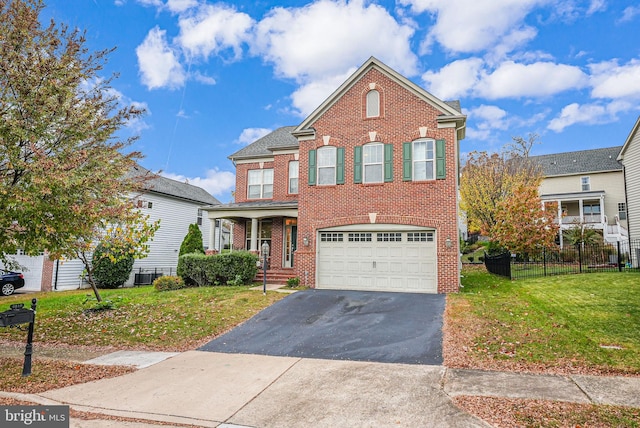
(585,209)
(257,223)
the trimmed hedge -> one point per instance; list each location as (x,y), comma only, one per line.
(219,269)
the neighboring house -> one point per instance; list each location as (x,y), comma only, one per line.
(588,187)
(362,195)
(630,158)
(174,203)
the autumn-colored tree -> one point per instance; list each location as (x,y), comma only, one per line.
(128,236)
(488,181)
(63,170)
(522,223)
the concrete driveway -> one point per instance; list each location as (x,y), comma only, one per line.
(344,325)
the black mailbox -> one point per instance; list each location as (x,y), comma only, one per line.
(16,315)
(19,315)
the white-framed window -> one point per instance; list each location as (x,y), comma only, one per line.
(373,103)
(359,237)
(389,237)
(260,184)
(423,157)
(199,219)
(585,183)
(373,162)
(331,237)
(622,210)
(327,165)
(294,171)
(420,236)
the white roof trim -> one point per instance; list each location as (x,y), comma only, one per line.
(629,139)
(373,62)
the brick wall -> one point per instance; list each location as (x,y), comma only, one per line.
(429,204)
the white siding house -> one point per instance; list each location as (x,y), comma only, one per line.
(588,187)
(630,158)
(175,204)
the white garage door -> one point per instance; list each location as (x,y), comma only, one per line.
(385,260)
(32,271)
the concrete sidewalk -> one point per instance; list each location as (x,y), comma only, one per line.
(216,389)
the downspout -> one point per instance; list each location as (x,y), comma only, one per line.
(55,281)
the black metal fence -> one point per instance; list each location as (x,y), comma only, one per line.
(581,258)
(146,276)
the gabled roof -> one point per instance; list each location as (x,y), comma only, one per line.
(450,111)
(631,136)
(177,189)
(281,138)
(580,162)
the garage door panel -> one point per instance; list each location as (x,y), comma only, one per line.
(368,261)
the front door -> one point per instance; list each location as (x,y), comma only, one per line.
(290,240)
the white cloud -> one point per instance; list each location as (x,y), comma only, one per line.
(204,79)
(485,120)
(539,79)
(326,37)
(454,80)
(178,6)
(472,25)
(249,135)
(216,182)
(159,64)
(611,80)
(589,114)
(474,77)
(212,29)
(310,95)
(629,13)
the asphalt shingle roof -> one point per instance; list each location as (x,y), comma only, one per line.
(166,186)
(280,138)
(583,161)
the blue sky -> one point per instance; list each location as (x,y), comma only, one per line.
(215,76)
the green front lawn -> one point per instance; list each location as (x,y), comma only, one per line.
(581,323)
(142,318)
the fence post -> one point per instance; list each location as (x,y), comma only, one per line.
(544,260)
(619,258)
(580,257)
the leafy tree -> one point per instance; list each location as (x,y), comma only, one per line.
(192,242)
(110,272)
(63,170)
(522,224)
(499,193)
(490,178)
(115,244)
(582,234)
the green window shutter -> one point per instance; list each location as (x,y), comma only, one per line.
(406,161)
(441,171)
(312,167)
(357,164)
(340,165)
(388,163)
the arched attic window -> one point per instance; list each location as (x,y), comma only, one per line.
(373,103)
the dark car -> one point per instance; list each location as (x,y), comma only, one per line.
(11,281)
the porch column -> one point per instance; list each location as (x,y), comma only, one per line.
(212,233)
(581,208)
(559,203)
(603,219)
(254,235)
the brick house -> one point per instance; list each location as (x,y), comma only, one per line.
(362,195)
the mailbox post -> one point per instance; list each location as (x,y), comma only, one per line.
(16,316)
(265,255)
